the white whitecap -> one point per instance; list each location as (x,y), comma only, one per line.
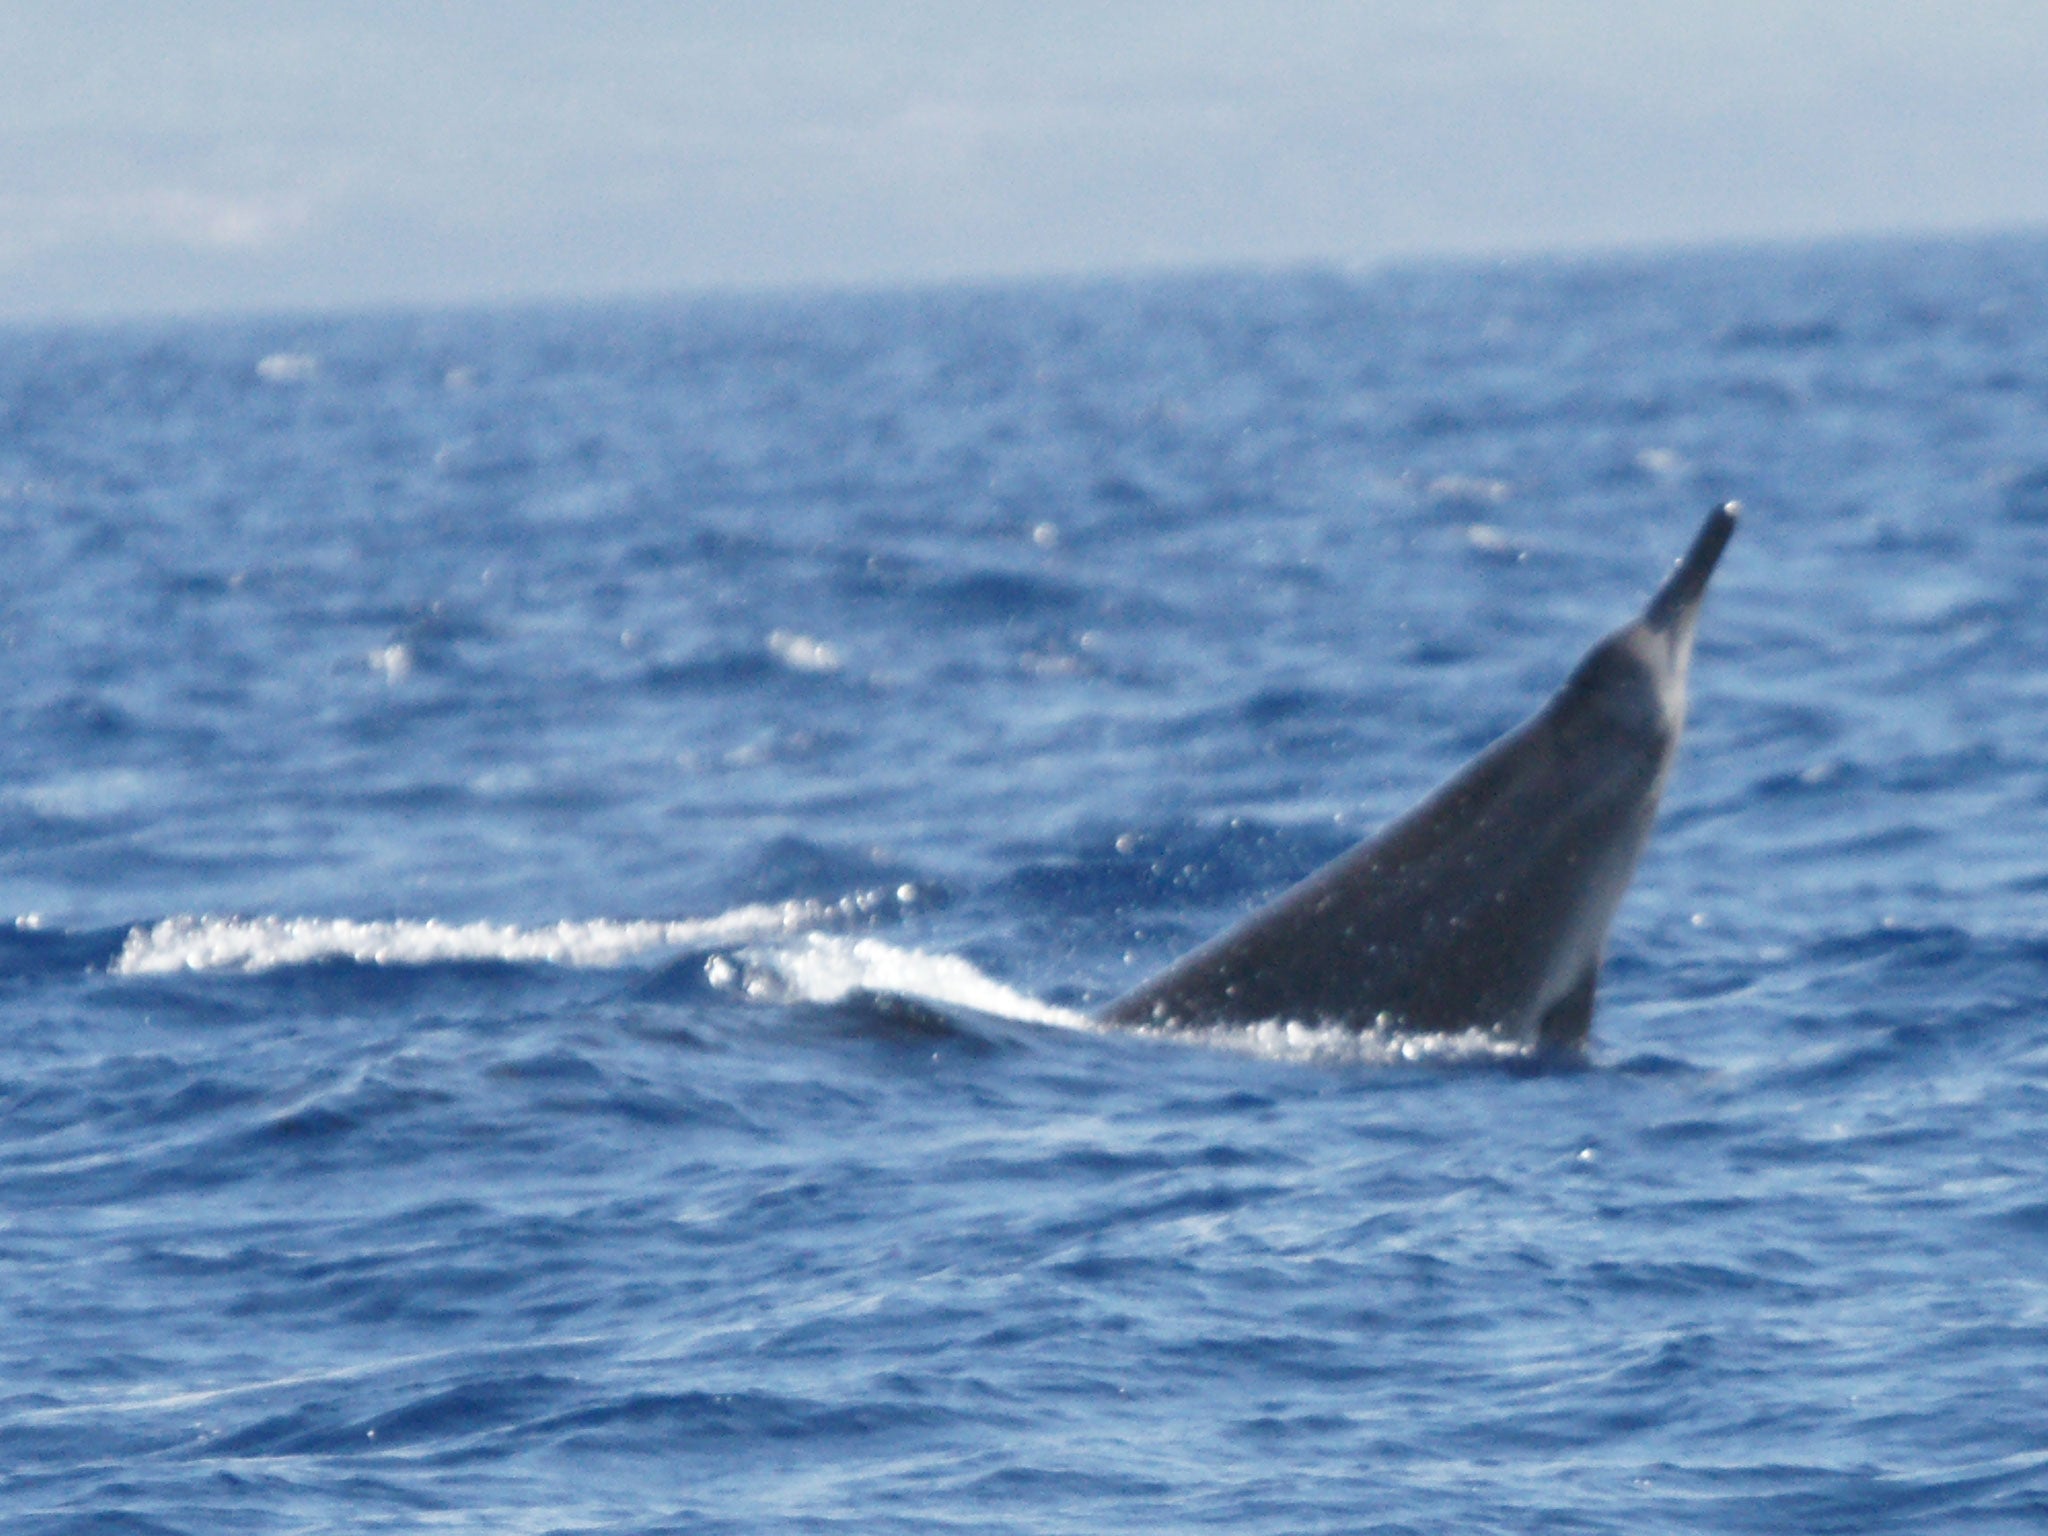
(84,795)
(802,653)
(1467,490)
(394,661)
(287,367)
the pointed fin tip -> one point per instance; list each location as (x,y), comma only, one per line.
(1683,589)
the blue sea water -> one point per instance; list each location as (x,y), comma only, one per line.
(556,858)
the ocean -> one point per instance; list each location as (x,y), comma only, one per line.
(554,863)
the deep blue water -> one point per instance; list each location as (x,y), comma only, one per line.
(466,775)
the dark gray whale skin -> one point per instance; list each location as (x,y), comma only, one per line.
(1487,905)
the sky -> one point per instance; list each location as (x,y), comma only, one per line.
(217,156)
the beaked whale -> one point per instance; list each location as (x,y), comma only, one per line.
(1487,905)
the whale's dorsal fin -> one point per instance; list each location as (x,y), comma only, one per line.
(1487,905)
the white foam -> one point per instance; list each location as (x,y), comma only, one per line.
(394,661)
(287,367)
(1340,1045)
(827,968)
(802,653)
(251,944)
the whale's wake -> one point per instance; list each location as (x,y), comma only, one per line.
(785,952)
(254,944)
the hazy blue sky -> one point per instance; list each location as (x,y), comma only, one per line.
(216,155)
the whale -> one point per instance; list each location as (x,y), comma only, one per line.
(1485,907)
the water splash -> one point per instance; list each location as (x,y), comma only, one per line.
(827,968)
(252,944)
